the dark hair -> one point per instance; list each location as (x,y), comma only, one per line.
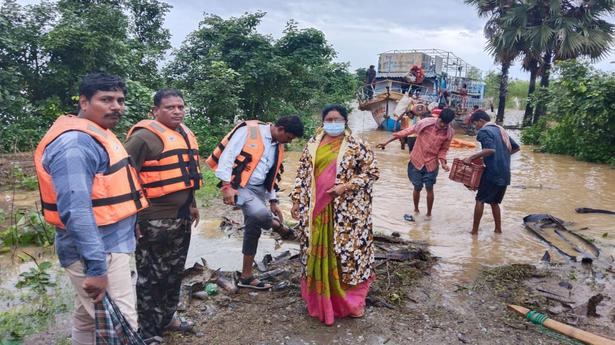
(291,124)
(93,82)
(335,107)
(371,66)
(480,115)
(475,106)
(164,93)
(447,115)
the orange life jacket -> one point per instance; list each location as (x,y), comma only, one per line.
(116,193)
(176,167)
(249,157)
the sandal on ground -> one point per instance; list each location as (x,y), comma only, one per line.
(253,283)
(408,217)
(183,326)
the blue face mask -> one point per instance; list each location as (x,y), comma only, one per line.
(334,128)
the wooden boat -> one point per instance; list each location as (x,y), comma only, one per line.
(439,71)
(552,231)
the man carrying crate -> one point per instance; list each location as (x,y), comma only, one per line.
(497,147)
(433,139)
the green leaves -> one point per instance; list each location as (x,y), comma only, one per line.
(230,72)
(37,278)
(48,47)
(582,118)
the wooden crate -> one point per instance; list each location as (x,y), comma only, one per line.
(468,174)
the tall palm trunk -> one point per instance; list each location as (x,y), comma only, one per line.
(503,91)
(541,108)
(529,110)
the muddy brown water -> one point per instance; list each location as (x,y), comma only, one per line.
(541,183)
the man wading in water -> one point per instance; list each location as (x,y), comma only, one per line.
(433,138)
(497,147)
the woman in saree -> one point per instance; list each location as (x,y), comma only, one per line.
(332,199)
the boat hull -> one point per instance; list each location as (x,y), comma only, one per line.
(382,112)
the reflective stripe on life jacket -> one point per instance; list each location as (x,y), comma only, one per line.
(249,157)
(116,193)
(176,167)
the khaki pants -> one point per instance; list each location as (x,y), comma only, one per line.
(119,288)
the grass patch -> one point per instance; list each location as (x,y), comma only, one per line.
(210,189)
(32,316)
(32,311)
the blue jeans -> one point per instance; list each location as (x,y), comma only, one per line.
(420,178)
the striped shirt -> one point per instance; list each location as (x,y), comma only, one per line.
(432,143)
(72,160)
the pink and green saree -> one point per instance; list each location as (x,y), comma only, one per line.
(325,294)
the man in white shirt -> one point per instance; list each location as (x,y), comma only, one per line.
(248,163)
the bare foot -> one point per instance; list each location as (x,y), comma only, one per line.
(474,232)
(428,217)
(416,211)
(498,231)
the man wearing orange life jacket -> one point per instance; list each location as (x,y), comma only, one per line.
(90,192)
(165,153)
(248,162)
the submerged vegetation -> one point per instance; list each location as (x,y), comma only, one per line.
(36,305)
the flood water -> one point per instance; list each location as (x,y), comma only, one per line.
(541,183)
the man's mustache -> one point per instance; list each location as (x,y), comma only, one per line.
(114,114)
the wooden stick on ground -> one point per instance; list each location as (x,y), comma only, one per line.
(570,331)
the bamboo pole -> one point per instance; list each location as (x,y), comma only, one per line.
(570,331)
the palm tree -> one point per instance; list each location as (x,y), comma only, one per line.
(544,31)
(504,39)
(569,30)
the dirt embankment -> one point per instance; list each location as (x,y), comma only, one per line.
(10,161)
(407,304)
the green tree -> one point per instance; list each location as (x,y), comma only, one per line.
(230,71)
(581,122)
(546,31)
(46,48)
(576,30)
(503,41)
(149,40)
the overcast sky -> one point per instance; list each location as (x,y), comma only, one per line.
(359,30)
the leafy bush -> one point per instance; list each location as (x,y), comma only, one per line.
(581,105)
(531,135)
(30,228)
(23,180)
(37,278)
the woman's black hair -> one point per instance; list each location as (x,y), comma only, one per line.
(337,107)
